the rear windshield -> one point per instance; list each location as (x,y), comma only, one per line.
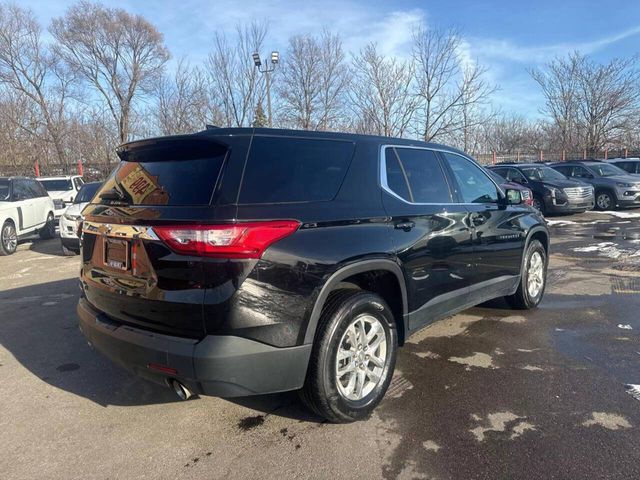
(57,185)
(289,170)
(170,176)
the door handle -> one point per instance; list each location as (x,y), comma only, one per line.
(477,219)
(406,226)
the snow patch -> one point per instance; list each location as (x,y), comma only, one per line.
(532,368)
(633,390)
(610,421)
(619,214)
(609,249)
(560,222)
(625,327)
(498,422)
(431,446)
(478,359)
(431,355)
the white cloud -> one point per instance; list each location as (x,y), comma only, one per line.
(507,50)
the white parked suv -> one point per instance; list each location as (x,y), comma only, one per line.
(25,208)
(70,220)
(62,190)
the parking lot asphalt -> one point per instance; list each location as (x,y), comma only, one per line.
(489,393)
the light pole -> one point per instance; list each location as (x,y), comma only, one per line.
(275,57)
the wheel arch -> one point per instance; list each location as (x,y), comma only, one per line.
(346,276)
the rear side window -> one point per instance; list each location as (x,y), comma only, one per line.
(416,175)
(290,170)
(165,175)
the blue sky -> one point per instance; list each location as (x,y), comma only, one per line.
(505,36)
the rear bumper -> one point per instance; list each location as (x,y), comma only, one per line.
(223,366)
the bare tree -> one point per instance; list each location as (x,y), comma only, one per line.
(448,89)
(381,93)
(182,103)
(233,78)
(559,83)
(35,74)
(313,82)
(608,100)
(120,55)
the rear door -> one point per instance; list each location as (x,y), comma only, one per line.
(41,201)
(128,272)
(25,201)
(497,231)
(430,235)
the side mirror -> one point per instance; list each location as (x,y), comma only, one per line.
(513,197)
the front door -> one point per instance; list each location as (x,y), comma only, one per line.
(430,236)
(498,231)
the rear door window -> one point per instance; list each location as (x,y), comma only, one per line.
(416,175)
(291,170)
(165,176)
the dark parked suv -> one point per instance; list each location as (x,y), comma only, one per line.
(552,191)
(238,261)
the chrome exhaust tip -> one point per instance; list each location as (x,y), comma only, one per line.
(183,392)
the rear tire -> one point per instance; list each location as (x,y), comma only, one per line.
(49,229)
(341,352)
(8,239)
(533,278)
(67,252)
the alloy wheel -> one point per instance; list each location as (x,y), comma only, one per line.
(9,238)
(535,274)
(361,357)
(604,201)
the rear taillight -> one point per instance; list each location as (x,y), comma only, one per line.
(239,240)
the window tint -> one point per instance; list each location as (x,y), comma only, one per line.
(416,175)
(580,172)
(287,170)
(36,189)
(566,171)
(514,175)
(475,186)
(86,193)
(21,191)
(165,171)
(5,190)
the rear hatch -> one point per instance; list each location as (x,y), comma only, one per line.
(129,272)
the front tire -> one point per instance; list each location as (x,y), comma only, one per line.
(353,356)
(533,278)
(49,229)
(538,204)
(604,200)
(8,239)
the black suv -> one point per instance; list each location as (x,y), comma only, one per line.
(236,262)
(552,191)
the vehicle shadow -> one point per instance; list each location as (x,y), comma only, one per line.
(46,247)
(39,327)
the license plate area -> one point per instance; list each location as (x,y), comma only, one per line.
(116,253)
